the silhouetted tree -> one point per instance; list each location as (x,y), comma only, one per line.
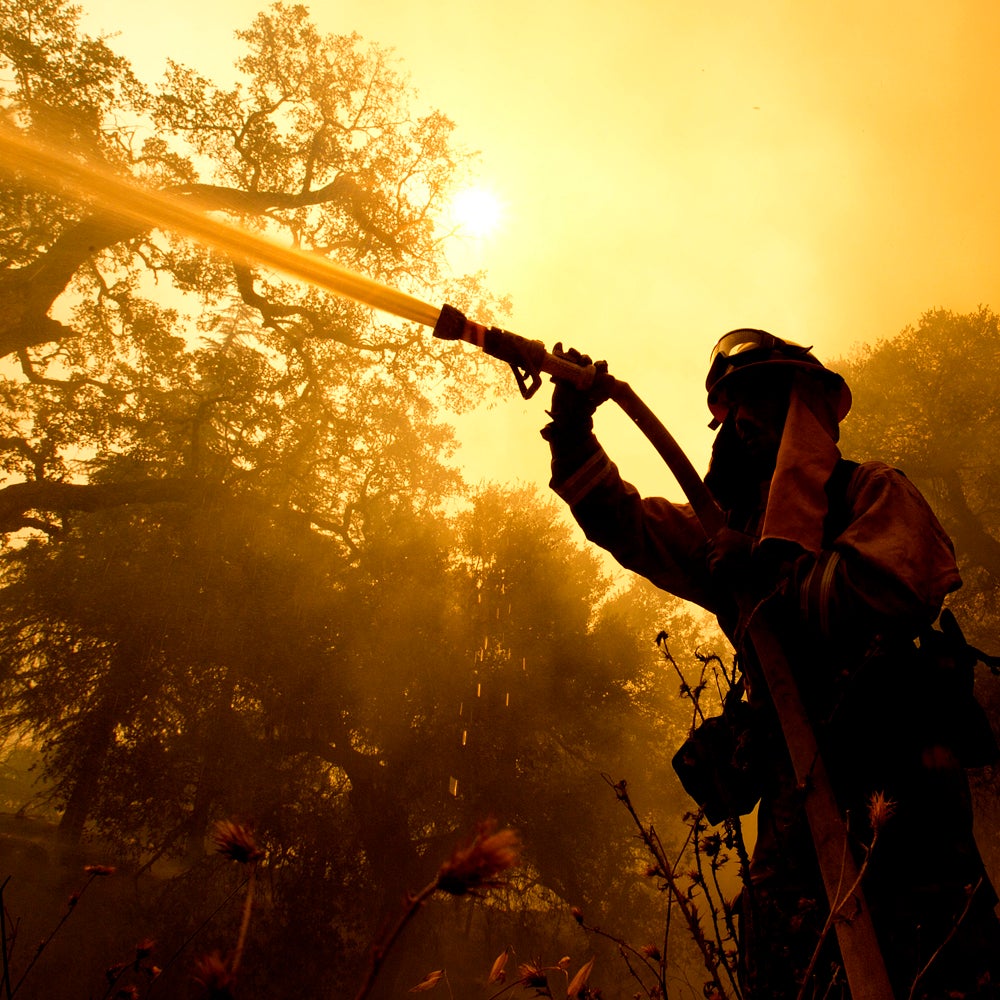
(926,402)
(566,684)
(232,376)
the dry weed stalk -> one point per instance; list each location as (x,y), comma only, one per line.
(718,947)
(880,810)
(719,960)
(473,866)
(692,880)
(93,872)
(972,890)
(649,957)
(6,943)
(139,965)
(216,973)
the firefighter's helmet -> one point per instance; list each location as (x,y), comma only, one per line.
(742,354)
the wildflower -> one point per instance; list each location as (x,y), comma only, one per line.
(497,973)
(880,809)
(144,948)
(130,992)
(428,982)
(213,973)
(99,871)
(235,841)
(577,914)
(579,981)
(477,863)
(651,951)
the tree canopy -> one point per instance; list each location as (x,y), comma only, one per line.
(240,577)
(152,359)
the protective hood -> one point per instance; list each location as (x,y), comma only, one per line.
(797,503)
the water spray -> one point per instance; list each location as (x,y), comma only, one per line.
(146,208)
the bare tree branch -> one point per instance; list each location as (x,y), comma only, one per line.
(19,499)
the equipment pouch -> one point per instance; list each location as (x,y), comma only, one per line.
(718,764)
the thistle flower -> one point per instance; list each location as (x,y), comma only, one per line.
(880,810)
(651,951)
(533,975)
(235,841)
(476,863)
(712,844)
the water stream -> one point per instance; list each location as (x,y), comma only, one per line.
(60,172)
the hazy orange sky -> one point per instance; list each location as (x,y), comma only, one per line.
(671,171)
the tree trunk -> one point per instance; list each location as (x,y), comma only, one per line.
(976,542)
(88,775)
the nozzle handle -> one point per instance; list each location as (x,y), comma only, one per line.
(529,359)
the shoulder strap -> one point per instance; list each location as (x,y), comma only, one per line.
(838,488)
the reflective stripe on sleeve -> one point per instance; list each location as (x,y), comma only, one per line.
(597,468)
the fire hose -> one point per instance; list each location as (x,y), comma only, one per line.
(529,360)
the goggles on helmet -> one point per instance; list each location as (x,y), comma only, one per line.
(745,347)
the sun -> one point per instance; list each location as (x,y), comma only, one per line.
(476,211)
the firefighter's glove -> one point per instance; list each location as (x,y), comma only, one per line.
(730,557)
(573,407)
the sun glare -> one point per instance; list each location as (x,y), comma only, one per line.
(476,211)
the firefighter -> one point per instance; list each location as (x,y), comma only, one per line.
(853,566)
